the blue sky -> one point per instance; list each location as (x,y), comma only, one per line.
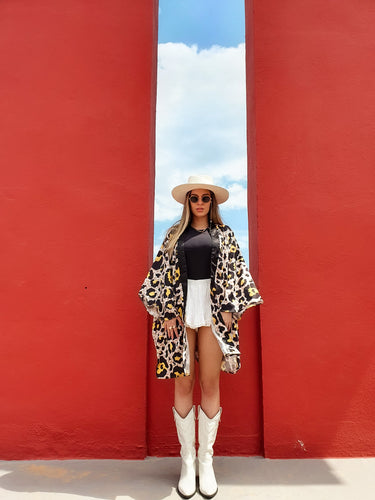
(201,107)
(204,22)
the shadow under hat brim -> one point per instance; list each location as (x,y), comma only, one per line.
(179,192)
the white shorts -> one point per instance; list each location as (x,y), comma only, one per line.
(198,304)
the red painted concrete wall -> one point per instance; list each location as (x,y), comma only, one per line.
(314,70)
(77,107)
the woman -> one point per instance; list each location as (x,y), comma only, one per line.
(197,289)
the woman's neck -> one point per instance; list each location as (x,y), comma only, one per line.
(199,222)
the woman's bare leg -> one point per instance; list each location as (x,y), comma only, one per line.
(210,357)
(184,386)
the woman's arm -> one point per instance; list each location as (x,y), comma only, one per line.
(157,291)
(240,291)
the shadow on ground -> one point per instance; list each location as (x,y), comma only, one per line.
(153,478)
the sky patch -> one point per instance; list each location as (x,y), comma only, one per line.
(202,22)
(201,107)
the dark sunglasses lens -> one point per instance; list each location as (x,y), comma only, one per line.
(205,198)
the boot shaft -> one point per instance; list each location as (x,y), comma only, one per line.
(186,433)
(186,436)
(207,431)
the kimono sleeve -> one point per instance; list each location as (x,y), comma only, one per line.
(240,291)
(156,291)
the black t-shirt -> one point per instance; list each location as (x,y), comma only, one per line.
(197,247)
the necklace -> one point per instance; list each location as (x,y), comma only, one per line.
(199,230)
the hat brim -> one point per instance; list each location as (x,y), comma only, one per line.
(179,192)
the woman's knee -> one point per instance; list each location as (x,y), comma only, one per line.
(185,385)
(209,385)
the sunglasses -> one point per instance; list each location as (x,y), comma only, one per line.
(205,198)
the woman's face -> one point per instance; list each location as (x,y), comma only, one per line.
(200,209)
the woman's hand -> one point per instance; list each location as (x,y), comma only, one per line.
(227,318)
(170,327)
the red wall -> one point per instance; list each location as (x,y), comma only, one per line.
(314,73)
(76,129)
(77,117)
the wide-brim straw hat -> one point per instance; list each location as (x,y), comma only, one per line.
(200,182)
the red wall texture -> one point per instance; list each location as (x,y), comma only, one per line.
(77,115)
(77,107)
(314,71)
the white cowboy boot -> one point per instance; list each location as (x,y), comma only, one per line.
(186,436)
(207,430)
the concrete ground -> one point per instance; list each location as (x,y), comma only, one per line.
(155,479)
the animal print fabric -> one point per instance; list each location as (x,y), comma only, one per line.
(163,293)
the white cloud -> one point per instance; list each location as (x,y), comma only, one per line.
(237,196)
(200,121)
(243,242)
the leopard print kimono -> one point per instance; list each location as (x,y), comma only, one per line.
(164,295)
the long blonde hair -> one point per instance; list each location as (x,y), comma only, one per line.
(179,227)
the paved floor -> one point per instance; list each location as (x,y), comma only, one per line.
(239,478)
